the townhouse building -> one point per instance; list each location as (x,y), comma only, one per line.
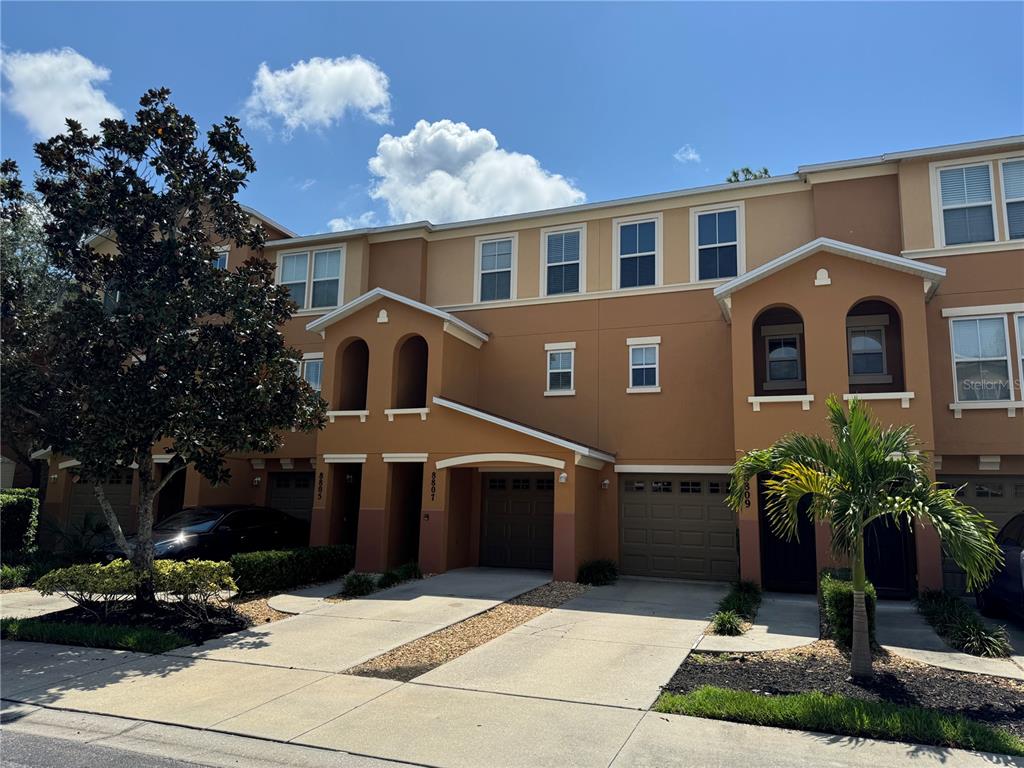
(541,389)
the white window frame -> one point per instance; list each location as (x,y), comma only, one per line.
(307,358)
(868,378)
(478,272)
(223,252)
(643,342)
(582,229)
(741,239)
(938,220)
(1009,364)
(1018,322)
(560,346)
(310,254)
(1007,201)
(617,225)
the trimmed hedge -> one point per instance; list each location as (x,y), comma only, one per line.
(19,523)
(13,576)
(139,639)
(837,605)
(276,570)
(598,573)
(359,585)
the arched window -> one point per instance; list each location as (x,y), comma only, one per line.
(779,362)
(874,345)
(351,370)
(410,387)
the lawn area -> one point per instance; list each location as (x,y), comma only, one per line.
(843,715)
(123,638)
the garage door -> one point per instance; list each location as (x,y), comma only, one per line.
(677,526)
(292,492)
(999,498)
(516,524)
(85,510)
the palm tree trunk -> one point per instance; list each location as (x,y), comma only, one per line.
(860,657)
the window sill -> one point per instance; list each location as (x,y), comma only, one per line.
(311,312)
(332,415)
(1011,407)
(903,397)
(392,412)
(559,392)
(759,400)
(642,390)
(960,250)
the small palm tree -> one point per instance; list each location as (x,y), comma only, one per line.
(862,474)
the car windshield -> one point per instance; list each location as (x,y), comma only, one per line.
(191,520)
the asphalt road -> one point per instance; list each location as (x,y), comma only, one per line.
(20,750)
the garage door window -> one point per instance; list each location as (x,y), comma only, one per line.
(546,484)
(988,491)
(496,483)
(717,486)
(689,486)
(635,486)
(661,486)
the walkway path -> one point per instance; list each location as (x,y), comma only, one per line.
(23,604)
(783,621)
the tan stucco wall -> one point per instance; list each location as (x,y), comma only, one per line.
(864,212)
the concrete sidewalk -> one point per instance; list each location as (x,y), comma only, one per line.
(783,621)
(24,604)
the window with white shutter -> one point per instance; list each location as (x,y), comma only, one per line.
(966,198)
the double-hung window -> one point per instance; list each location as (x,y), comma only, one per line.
(644,375)
(313,278)
(966,198)
(1013,197)
(563,261)
(783,355)
(221,262)
(638,253)
(867,351)
(981,359)
(311,369)
(561,358)
(718,244)
(496,259)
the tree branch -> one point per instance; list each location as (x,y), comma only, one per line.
(111,517)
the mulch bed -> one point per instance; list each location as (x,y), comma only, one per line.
(823,667)
(223,620)
(431,651)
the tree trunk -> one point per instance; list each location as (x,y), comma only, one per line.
(143,556)
(860,657)
(112,522)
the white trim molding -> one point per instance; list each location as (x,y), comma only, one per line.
(310,254)
(989,463)
(741,238)
(508,458)
(258,463)
(404,458)
(1011,406)
(162,458)
(983,309)
(344,458)
(361,415)
(559,346)
(672,469)
(759,400)
(588,462)
(617,224)
(513,265)
(392,412)
(582,229)
(69,463)
(903,397)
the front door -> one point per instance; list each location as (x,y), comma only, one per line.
(890,560)
(787,565)
(517,520)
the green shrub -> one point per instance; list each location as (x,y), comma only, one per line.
(13,576)
(358,585)
(744,599)
(276,570)
(842,715)
(139,639)
(961,627)
(19,523)
(727,623)
(837,605)
(410,572)
(193,584)
(598,573)
(389,579)
(98,589)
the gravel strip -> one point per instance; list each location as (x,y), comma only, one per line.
(422,655)
(257,610)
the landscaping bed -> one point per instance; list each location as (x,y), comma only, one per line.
(426,653)
(824,668)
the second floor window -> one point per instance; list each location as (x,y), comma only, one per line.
(311,371)
(496,269)
(1013,198)
(783,355)
(638,254)
(221,262)
(313,279)
(560,371)
(643,366)
(562,262)
(867,351)
(981,359)
(966,199)
(717,245)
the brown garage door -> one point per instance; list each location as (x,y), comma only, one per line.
(998,497)
(677,526)
(516,524)
(292,493)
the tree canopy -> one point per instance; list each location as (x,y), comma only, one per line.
(747,174)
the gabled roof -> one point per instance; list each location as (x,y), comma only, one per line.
(452,323)
(268,220)
(931,275)
(515,426)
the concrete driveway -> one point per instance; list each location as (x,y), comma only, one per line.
(615,646)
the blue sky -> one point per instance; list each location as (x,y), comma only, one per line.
(560,103)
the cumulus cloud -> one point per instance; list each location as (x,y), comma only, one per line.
(46,88)
(687,154)
(446,171)
(318,93)
(344,223)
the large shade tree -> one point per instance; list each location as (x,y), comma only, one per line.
(862,474)
(155,349)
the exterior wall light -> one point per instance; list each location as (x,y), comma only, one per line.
(605,484)
(256,481)
(563,477)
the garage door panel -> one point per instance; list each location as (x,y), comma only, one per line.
(681,530)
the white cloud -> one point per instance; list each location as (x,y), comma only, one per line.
(306,185)
(687,154)
(446,171)
(343,223)
(317,93)
(47,87)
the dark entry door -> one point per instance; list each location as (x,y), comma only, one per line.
(352,475)
(890,560)
(516,526)
(787,566)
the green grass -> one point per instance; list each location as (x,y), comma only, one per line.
(140,639)
(842,715)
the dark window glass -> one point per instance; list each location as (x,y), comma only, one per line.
(545,484)
(635,486)
(689,486)
(520,484)
(496,483)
